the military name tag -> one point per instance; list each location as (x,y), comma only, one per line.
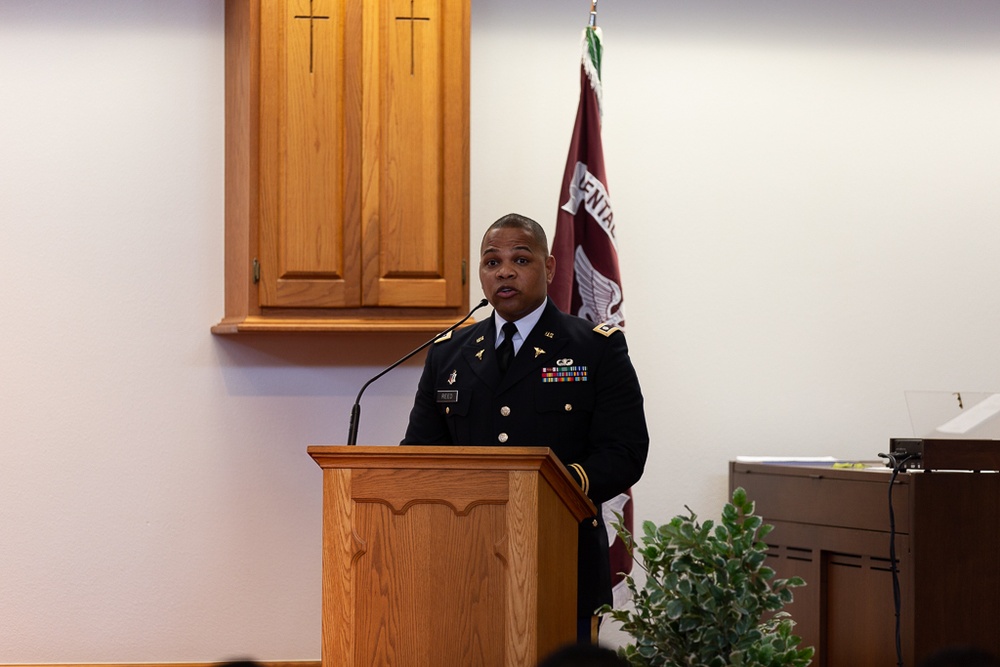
(564,374)
(447,396)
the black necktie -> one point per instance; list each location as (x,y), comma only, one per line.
(505,351)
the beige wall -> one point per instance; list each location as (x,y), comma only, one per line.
(806,200)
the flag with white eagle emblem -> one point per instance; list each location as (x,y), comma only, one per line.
(587,282)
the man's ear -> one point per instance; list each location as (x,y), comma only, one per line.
(550,268)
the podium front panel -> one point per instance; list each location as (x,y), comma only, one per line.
(427,566)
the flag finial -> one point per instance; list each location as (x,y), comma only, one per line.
(593,14)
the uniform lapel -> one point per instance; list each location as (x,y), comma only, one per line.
(543,344)
(480,353)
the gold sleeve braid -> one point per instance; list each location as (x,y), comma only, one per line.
(584,480)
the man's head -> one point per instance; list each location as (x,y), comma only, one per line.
(515,267)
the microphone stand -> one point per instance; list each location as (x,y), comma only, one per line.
(352,432)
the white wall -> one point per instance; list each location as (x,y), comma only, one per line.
(806,201)
(807,208)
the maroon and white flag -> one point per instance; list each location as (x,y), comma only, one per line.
(587,281)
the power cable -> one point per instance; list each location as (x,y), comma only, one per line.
(897,461)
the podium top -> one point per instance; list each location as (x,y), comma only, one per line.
(428,457)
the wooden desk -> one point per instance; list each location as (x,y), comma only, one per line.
(831,527)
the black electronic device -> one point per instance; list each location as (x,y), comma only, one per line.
(930,454)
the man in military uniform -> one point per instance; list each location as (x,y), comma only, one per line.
(534,376)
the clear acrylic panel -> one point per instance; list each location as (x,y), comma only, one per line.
(967,415)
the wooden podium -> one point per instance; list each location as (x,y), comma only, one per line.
(447,555)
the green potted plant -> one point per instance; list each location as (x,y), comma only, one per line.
(708,599)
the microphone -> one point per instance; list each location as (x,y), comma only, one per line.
(352,433)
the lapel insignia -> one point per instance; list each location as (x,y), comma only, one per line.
(539,352)
(479,355)
(480,339)
(564,362)
(453,377)
(549,334)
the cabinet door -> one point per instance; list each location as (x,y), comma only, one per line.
(415,153)
(309,149)
(363,153)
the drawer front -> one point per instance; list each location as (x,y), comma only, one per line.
(822,497)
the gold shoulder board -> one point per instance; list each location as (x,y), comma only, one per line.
(443,338)
(606,329)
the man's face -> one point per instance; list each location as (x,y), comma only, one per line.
(515,271)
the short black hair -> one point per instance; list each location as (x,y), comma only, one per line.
(519,221)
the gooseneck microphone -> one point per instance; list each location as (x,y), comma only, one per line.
(352,433)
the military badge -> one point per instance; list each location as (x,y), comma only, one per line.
(564,374)
(606,329)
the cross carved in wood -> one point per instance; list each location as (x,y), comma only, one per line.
(312,17)
(412,18)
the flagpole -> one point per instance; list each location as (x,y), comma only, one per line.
(593,14)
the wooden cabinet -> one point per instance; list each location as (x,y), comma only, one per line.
(831,527)
(347,164)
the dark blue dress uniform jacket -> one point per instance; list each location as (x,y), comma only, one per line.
(596,420)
